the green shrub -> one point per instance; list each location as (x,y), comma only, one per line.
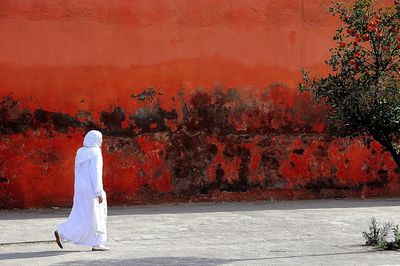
(378,236)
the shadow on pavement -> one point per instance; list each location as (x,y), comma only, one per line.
(165,261)
(191,261)
(251,206)
(208,207)
(33,254)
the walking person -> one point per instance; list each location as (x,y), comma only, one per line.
(86,224)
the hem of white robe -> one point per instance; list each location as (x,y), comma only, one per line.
(82,244)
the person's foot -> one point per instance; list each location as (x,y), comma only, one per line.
(58,239)
(100,248)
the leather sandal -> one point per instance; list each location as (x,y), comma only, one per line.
(58,239)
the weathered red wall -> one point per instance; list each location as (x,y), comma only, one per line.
(197,100)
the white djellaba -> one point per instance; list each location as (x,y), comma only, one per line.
(86,224)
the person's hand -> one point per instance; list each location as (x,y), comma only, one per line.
(100,199)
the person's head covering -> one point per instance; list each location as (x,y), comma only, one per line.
(91,147)
(93,139)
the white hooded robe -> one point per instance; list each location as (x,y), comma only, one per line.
(86,224)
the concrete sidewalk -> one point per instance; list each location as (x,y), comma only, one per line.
(264,233)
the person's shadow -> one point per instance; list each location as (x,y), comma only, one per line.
(165,261)
(34,254)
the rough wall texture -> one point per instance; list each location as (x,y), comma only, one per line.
(197,100)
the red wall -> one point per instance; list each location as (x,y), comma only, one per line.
(197,101)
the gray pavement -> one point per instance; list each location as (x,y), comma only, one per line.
(324,232)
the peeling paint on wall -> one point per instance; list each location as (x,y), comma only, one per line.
(221,143)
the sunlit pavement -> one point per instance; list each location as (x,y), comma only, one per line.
(324,232)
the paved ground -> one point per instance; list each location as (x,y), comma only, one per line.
(263,233)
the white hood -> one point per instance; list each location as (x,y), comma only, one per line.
(91,147)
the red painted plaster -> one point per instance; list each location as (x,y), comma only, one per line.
(224,120)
